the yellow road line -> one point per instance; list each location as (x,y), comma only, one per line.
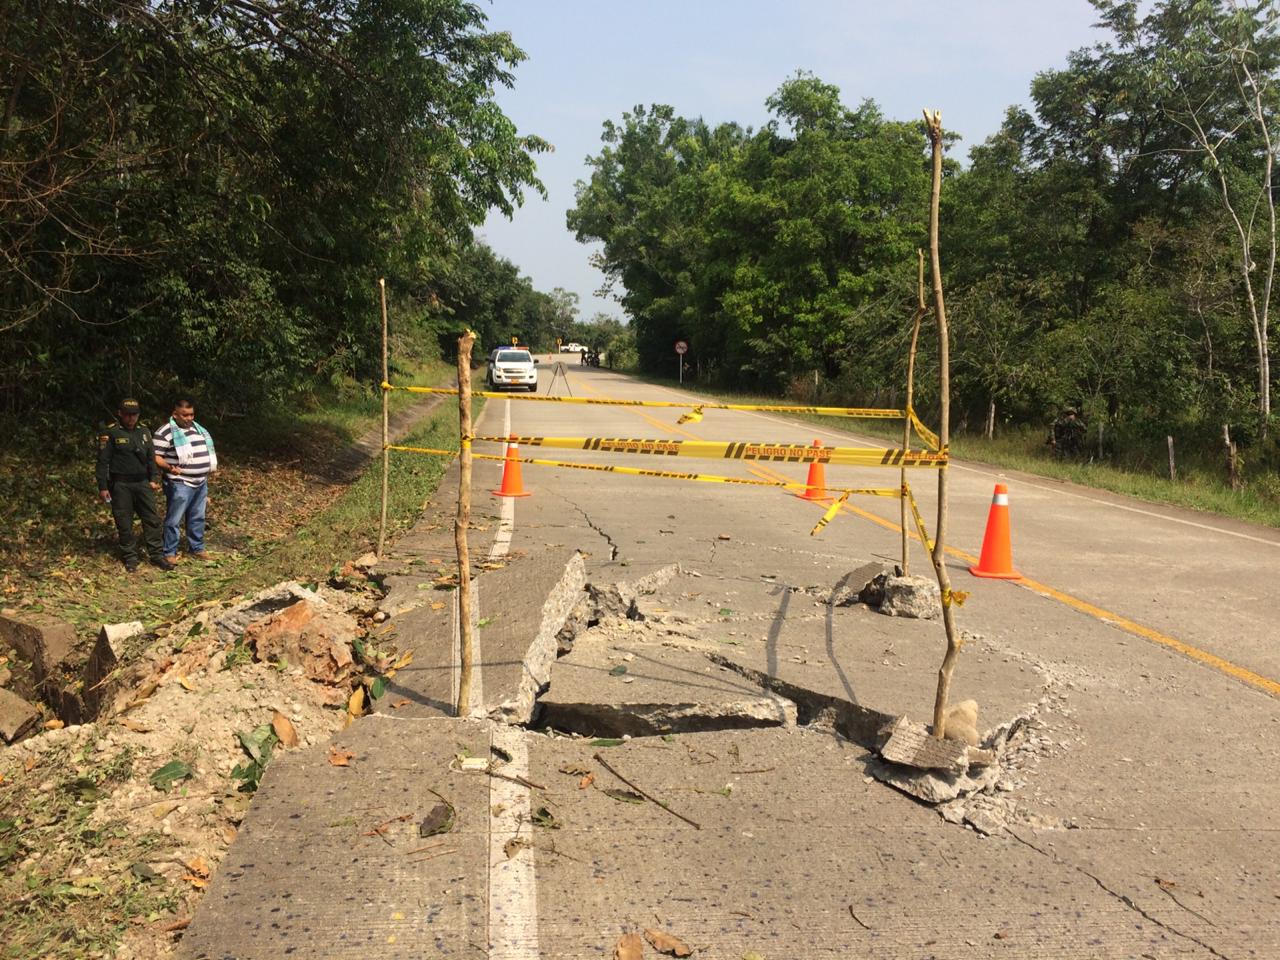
(1237,672)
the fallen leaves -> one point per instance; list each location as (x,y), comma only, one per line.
(284,729)
(629,947)
(169,774)
(198,876)
(666,943)
(624,796)
(586,781)
(54,724)
(186,684)
(340,758)
(440,819)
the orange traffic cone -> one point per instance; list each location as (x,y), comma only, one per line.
(816,488)
(996,562)
(512,483)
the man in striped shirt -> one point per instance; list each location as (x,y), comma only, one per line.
(186,455)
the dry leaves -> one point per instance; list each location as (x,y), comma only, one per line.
(399,703)
(199,875)
(438,605)
(29,764)
(355,703)
(586,781)
(54,724)
(629,947)
(666,943)
(340,758)
(186,684)
(284,729)
(134,725)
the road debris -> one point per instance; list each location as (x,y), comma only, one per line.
(647,796)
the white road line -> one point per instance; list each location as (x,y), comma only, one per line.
(995,472)
(513,891)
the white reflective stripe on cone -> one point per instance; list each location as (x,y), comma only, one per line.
(1000,500)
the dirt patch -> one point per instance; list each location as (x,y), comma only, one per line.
(111,830)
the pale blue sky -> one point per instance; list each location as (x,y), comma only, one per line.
(720,59)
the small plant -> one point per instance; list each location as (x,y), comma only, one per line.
(238,655)
(258,745)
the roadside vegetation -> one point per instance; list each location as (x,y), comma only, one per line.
(1200,484)
(1109,249)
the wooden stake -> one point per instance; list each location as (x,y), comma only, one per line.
(1173,470)
(911,382)
(386,396)
(933,122)
(463,522)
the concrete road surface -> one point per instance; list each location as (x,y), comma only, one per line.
(1134,813)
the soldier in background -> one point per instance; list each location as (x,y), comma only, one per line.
(127,480)
(1067,438)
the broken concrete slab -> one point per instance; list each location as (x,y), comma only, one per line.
(45,642)
(17,717)
(518,646)
(605,690)
(329,861)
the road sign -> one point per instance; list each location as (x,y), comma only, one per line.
(682,347)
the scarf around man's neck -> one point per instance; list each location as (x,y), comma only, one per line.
(182,445)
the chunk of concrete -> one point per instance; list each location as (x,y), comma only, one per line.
(45,642)
(232,624)
(917,597)
(911,745)
(108,652)
(16,716)
(306,634)
(932,786)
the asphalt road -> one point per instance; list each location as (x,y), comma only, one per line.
(1185,578)
(1133,816)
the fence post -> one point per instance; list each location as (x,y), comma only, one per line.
(386,397)
(1173,470)
(462,523)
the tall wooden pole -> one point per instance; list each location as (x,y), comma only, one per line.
(386,398)
(463,522)
(906,423)
(933,121)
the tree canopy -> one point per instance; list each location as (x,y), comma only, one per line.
(206,194)
(1112,248)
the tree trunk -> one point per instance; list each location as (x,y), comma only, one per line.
(934,124)
(991,419)
(462,523)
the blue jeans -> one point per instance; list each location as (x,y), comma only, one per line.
(184,503)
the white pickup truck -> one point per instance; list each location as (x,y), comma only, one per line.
(572,348)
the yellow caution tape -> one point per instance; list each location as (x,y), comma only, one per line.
(661,474)
(920,528)
(924,433)
(865,413)
(829,515)
(738,450)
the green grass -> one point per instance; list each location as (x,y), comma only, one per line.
(1197,487)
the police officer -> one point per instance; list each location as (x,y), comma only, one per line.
(127,479)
